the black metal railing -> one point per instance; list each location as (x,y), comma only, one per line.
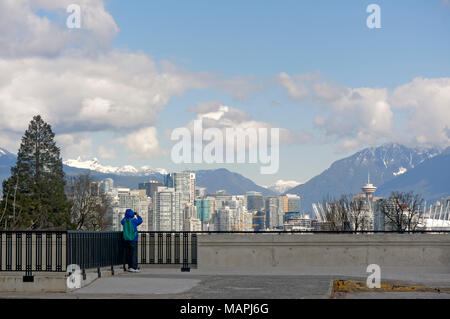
(90,250)
(32,251)
(168,248)
(54,251)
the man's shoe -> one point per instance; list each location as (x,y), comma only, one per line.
(137,270)
(132,270)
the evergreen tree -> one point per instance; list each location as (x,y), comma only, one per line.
(33,197)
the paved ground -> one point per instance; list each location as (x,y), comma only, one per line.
(194,286)
(171,283)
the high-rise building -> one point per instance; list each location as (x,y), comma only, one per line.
(107,186)
(255,201)
(231,214)
(293,203)
(222,220)
(151,187)
(259,221)
(167,210)
(284,203)
(192,224)
(204,210)
(274,211)
(200,192)
(183,183)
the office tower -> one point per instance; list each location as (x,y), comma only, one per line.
(204,209)
(107,186)
(259,221)
(200,192)
(284,203)
(274,211)
(192,224)
(255,201)
(167,210)
(183,183)
(151,187)
(222,219)
(293,203)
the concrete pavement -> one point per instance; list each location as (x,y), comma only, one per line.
(172,284)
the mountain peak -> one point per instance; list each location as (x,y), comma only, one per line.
(348,175)
(95,165)
(281,186)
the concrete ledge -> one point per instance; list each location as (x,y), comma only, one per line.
(46,282)
(297,252)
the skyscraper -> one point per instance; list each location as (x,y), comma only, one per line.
(274,211)
(183,183)
(167,210)
(151,187)
(255,201)
(293,203)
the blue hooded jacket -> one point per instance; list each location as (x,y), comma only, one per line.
(136,221)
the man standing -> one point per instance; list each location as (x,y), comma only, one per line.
(130,236)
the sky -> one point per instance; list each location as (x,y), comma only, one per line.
(117,87)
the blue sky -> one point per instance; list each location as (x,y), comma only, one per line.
(261,55)
(263,38)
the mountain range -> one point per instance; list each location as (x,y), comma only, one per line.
(391,167)
(386,163)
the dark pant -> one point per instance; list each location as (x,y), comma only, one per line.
(131,254)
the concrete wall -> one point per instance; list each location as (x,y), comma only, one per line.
(297,252)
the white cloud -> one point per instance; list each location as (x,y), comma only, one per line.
(25,33)
(217,115)
(111,92)
(427,102)
(74,145)
(143,144)
(357,117)
(106,153)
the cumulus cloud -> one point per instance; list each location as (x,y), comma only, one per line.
(74,145)
(109,92)
(215,114)
(23,32)
(143,144)
(358,117)
(106,153)
(427,102)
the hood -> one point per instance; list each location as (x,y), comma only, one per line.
(129,213)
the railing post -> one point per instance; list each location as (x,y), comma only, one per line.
(194,249)
(177,248)
(28,258)
(185,267)
(8,251)
(18,251)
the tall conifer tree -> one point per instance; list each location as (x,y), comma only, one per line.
(33,196)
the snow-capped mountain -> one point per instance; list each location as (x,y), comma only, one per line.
(94,165)
(282,186)
(348,175)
